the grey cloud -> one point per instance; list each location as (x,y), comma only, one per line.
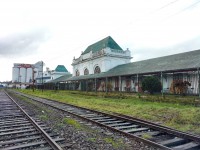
(147,53)
(23,43)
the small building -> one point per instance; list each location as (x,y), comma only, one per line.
(49,75)
(59,71)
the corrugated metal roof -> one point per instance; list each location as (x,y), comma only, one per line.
(106,42)
(60,79)
(182,61)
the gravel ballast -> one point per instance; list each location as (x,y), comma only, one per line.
(79,134)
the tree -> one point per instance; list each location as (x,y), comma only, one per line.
(151,84)
(179,87)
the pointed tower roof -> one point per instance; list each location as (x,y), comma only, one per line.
(106,42)
(61,68)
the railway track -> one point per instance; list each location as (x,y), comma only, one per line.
(153,134)
(19,131)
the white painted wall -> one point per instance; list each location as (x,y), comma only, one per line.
(105,63)
(106,59)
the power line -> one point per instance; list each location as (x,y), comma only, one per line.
(185,9)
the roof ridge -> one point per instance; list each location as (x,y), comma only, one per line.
(61,68)
(168,55)
(103,43)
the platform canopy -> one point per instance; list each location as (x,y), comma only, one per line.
(188,61)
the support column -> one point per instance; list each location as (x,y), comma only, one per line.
(25,74)
(95,85)
(161,76)
(42,76)
(120,84)
(74,86)
(86,85)
(106,84)
(33,80)
(198,81)
(137,83)
(19,75)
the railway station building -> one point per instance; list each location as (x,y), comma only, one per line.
(105,66)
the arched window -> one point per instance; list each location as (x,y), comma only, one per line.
(97,70)
(86,71)
(77,73)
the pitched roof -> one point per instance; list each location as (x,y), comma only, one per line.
(182,61)
(60,79)
(61,68)
(106,42)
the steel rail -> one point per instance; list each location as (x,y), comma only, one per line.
(141,122)
(51,142)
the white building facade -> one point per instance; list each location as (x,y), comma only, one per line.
(108,55)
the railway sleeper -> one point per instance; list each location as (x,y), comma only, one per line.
(187,146)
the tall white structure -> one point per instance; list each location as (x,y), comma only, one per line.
(100,57)
(25,73)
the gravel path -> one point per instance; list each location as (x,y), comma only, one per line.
(79,134)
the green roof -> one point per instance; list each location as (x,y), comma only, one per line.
(172,63)
(61,68)
(60,79)
(106,42)
(183,61)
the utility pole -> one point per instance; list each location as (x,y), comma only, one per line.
(33,80)
(198,80)
(42,76)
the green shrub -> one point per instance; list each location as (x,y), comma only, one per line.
(151,84)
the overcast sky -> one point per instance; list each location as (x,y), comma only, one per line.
(57,30)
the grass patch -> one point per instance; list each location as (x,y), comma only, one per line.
(146,136)
(173,111)
(115,143)
(72,122)
(43,117)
